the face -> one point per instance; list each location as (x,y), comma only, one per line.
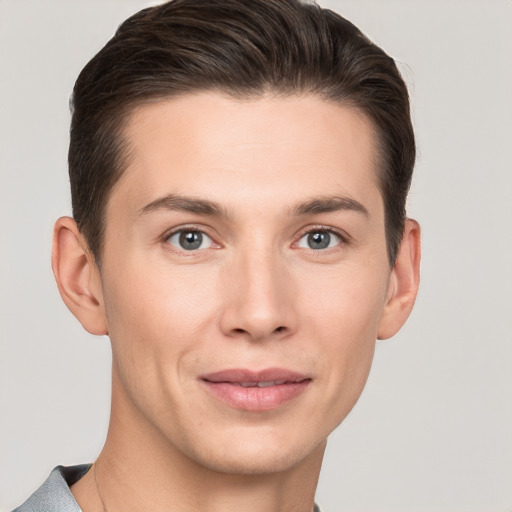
(244,275)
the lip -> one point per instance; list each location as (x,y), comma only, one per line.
(262,390)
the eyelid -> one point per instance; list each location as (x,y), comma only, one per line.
(188,227)
(343,236)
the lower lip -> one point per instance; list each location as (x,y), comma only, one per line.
(255,398)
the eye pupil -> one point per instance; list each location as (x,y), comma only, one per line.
(319,240)
(191,240)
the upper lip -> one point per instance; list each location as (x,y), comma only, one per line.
(242,375)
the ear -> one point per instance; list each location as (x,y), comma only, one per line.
(78,277)
(403,282)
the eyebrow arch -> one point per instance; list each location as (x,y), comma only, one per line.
(174,202)
(329,204)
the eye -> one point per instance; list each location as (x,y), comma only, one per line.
(319,239)
(190,240)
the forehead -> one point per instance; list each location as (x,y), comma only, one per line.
(271,148)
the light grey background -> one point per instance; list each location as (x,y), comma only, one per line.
(433,429)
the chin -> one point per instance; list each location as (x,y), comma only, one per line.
(257,456)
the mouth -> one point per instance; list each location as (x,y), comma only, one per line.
(256,391)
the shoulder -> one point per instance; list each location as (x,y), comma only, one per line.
(54,495)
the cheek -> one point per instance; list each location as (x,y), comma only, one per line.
(346,318)
(347,302)
(156,317)
(157,323)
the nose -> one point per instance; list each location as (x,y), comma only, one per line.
(259,297)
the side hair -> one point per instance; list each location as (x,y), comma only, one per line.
(244,49)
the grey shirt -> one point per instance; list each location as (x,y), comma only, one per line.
(54,495)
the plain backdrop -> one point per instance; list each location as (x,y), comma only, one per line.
(433,429)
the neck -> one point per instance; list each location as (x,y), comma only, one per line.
(138,469)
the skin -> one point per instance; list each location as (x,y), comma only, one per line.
(255,295)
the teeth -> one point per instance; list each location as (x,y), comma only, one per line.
(267,384)
(262,384)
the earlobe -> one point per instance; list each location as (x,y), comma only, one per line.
(404,282)
(78,277)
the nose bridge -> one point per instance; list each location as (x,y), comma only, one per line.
(261,293)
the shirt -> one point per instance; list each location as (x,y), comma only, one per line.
(55,496)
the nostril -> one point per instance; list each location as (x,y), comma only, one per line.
(254,334)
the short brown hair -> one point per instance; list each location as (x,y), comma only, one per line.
(243,48)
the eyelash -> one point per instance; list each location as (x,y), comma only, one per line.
(343,238)
(191,228)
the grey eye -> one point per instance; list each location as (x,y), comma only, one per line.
(319,240)
(190,240)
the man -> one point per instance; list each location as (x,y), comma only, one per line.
(239,172)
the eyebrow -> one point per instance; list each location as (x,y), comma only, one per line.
(329,204)
(173,202)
